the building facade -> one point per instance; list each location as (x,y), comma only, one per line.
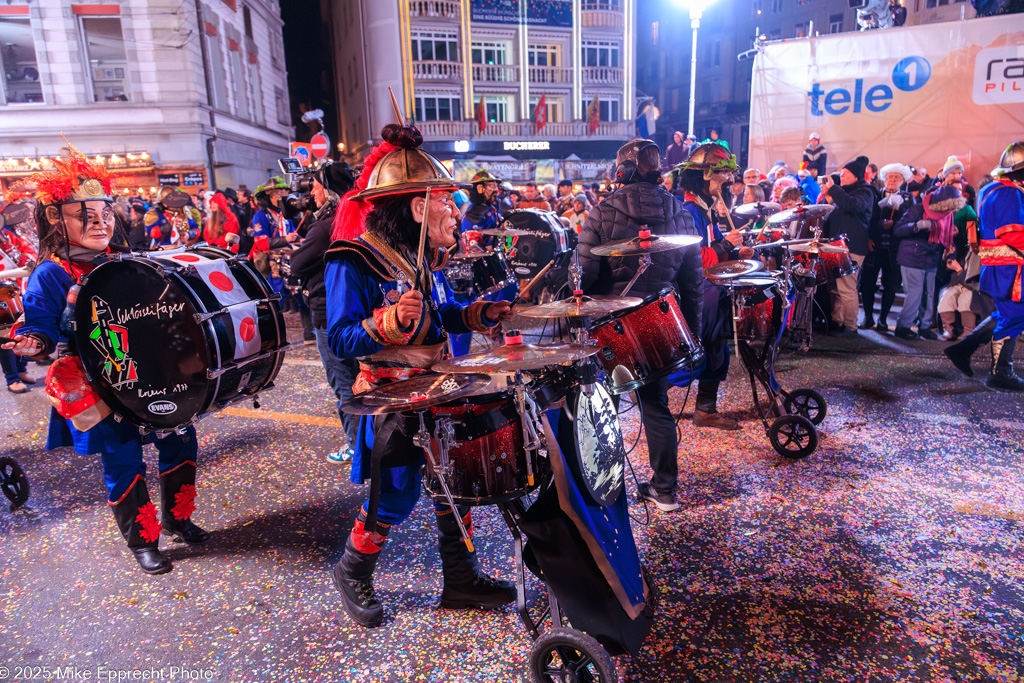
(165,91)
(471,73)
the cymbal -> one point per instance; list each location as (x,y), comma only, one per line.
(730,269)
(468,255)
(581,307)
(757,209)
(513,357)
(417,393)
(818,248)
(505,232)
(800,213)
(647,245)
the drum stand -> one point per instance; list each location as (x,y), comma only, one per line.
(444,432)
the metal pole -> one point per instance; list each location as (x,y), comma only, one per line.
(695,24)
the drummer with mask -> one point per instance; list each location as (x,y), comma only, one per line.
(390,306)
(75,219)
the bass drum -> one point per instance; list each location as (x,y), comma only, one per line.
(168,336)
(549,238)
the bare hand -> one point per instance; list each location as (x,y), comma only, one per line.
(23,346)
(734,238)
(500,310)
(292,236)
(409,308)
(746,252)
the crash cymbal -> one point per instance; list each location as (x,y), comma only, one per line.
(757,209)
(800,213)
(417,393)
(731,269)
(514,357)
(645,245)
(505,232)
(468,255)
(583,306)
(818,248)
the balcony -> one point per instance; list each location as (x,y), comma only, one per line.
(434,9)
(551,75)
(602,75)
(496,73)
(562,130)
(603,14)
(440,72)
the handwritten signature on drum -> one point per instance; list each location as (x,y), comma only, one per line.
(157,309)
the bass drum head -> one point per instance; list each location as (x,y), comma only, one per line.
(142,349)
(530,253)
(600,453)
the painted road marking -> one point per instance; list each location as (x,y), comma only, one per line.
(958,420)
(283,417)
(302,361)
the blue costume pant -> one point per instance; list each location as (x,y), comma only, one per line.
(399,490)
(122,457)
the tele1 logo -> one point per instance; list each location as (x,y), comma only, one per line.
(909,74)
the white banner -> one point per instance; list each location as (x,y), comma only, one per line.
(914,95)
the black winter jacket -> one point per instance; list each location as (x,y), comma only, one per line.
(915,251)
(852,216)
(308,264)
(620,217)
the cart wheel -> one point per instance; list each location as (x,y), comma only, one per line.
(793,436)
(808,403)
(564,655)
(13,482)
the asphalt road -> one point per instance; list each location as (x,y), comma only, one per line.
(895,552)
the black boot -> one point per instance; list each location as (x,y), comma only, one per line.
(1003,376)
(136,518)
(177,503)
(960,353)
(465,585)
(353,574)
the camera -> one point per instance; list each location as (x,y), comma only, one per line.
(299,200)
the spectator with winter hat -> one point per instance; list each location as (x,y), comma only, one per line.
(816,156)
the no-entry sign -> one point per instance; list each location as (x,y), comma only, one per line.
(320,145)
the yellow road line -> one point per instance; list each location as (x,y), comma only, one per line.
(284,417)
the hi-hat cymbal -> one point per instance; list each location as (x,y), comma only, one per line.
(583,306)
(757,209)
(818,248)
(468,255)
(514,357)
(417,393)
(505,232)
(731,269)
(800,213)
(645,245)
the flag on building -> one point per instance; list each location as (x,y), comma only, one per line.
(594,113)
(540,113)
(645,122)
(481,115)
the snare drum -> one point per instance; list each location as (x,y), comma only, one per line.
(167,336)
(755,308)
(10,304)
(829,267)
(645,343)
(488,462)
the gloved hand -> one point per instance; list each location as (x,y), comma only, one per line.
(924,224)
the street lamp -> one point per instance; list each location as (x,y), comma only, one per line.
(696,8)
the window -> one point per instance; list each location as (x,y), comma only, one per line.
(755,7)
(600,53)
(247,21)
(18,63)
(218,80)
(654,34)
(488,53)
(608,108)
(553,106)
(108,65)
(716,53)
(775,34)
(440,46)
(256,90)
(496,108)
(282,107)
(544,55)
(802,30)
(438,108)
(835,23)
(238,79)
(775,6)
(602,4)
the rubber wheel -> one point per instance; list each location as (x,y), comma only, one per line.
(13,482)
(564,655)
(793,436)
(808,403)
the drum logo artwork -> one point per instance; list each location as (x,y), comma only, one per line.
(111,340)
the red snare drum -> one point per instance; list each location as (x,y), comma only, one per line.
(831,266)
(755,300)
(487,462)
(10,304)
(645,343)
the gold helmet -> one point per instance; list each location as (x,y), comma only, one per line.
(407,169)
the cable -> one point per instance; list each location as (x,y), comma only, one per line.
(632,472)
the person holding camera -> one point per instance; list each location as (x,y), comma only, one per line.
(881,257)
(330,181)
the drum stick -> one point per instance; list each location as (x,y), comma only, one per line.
(531,283)
(728,214)
(423,239)
(398,111)
(7,340)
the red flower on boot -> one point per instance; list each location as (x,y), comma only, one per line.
(184,502)
(150,524)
